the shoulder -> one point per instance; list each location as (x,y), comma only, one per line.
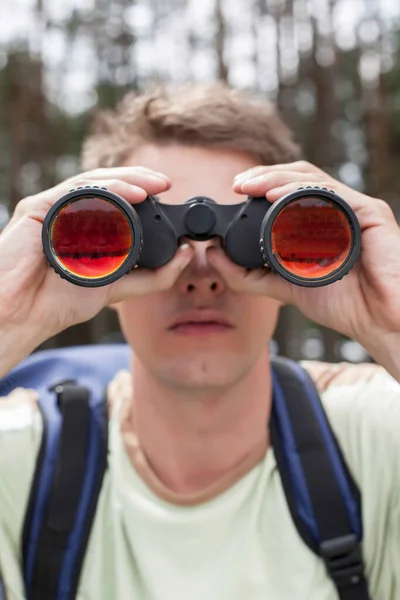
(362,398)
(20,438)
(19,418)
(364,392)
(332,375)
(362,403)
(363,406)
(17,409)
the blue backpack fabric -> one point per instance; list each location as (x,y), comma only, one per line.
(2,590)
(322,496)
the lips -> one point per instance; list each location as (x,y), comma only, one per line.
(200,321)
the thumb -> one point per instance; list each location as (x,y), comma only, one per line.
(145,281)
(252,281)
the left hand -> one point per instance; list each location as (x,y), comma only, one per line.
(366,302)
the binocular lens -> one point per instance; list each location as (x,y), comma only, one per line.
(311,237)
(91,237)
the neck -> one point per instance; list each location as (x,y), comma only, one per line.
(193,442)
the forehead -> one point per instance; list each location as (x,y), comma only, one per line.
(195,171)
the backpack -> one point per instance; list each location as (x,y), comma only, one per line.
(2,591)
(322,496)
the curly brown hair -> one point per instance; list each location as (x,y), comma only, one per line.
(208,115)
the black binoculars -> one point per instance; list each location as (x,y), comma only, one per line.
(91,236)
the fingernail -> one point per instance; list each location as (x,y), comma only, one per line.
(241,176)
(185,251)
(236,184)
(158,179)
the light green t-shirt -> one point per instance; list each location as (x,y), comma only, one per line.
(241,545)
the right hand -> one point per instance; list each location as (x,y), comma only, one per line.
(33,295)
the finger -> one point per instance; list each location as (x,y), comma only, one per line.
(37,206)
(145,281)
(152,184)
(300,166)
(356,200)
(124,173)
(274,194)
(251,281)
(261,184)
(133,188)
(131,192)
(249,173)
(370,211)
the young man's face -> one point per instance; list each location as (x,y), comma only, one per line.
(202,356)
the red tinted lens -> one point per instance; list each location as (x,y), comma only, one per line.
(91,237)
(311,237)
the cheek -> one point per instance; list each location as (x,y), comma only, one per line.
(139,317)
(261,316)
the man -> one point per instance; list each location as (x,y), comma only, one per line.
(192,505)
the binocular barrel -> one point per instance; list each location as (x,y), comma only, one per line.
(311,237)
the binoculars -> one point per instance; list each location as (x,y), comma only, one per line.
(91,236)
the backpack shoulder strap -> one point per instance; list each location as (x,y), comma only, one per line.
(2,589)
(66,486)
(322,496)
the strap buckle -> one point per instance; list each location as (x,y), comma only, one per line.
(59,389)
(343,560)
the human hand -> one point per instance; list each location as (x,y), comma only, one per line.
(34,297)
(366,302)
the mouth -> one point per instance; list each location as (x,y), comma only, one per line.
(201,324)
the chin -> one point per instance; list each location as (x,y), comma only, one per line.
(203,372)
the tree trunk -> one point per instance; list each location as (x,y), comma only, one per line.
(220,41)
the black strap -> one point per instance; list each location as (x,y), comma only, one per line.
(65,494)
(340,548)
(102,462)
(2,589)
(65,491)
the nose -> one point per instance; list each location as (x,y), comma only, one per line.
(200,276)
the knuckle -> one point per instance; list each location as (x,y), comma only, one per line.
(79,182)
(113,183)
(85,176)
(28,198)
(330,185)
(77,177)
(273,176)
(23,206)
(384,209)
(303,164)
